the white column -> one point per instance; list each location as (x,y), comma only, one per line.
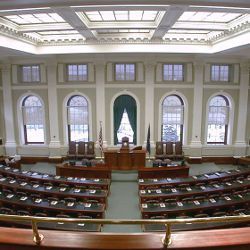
(240,142)
(149,102)
(100,101)
(54,144)
(195,145)
(10,141)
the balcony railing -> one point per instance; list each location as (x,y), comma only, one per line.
(37,237)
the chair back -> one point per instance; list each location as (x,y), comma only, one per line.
(178,148)
(81,148)
(169,148)
(90,148)
(159,148)
(72,148)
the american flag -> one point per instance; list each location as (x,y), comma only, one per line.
(100,139)
(148,141)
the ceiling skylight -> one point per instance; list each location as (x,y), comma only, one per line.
(128,15)
(36,18)
(218,17)
(58,32)
(111,31)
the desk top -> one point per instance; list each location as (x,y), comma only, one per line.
(53,178)
(219,175)
(194,190)
(71,207)
(53,190)
(178,207)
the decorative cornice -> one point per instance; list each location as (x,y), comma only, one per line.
(13,33)
(10,32)
(244,27)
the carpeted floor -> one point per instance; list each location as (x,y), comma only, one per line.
(123,201)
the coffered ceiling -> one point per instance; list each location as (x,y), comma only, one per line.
(58,27)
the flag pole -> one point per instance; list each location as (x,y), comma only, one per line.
(101,141)
(148,143)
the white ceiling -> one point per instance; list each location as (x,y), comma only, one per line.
(100,26)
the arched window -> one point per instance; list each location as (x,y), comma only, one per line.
(125,115)
(78,118)
(218,114)
(172,118)
(33,120)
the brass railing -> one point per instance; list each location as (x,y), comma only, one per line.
(167,222)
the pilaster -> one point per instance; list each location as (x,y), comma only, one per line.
(54,143)
(100,101)
(149,101)
(10,141)
(240,145)
(195,144)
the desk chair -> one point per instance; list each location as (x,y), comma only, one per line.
(179,155)
(169,150)
(6,210)
(81,149)
(201,215)
(72,150)
(23,212)
(159,151)
(92,201)
(219,214)
(90,154)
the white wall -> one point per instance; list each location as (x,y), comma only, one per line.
(101,74)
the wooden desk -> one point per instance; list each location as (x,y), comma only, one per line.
(56,191)
(55,179)
(125,160)
(244,161)
(12,163)
(96,210)
(178,193)
(162,172)
(173,209)
(192,180)
(82,171)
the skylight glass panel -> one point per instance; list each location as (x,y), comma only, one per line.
(58,32)
(177,31)
(121,15)
(94,16)
(149,15)
(107,15)
(221,17)
(36,18)
(135,15)
(113,31)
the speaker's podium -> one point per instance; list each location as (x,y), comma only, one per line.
(125,159)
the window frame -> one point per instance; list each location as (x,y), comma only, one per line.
(26,142)
(76,64)
(173,64)
(183,119)
(225,142)
(68,125)
(125,66)
(219,80)
(30,65)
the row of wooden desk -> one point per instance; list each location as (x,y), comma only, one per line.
(176,208)
(55,179)
(192,180)
(53,195)
(194,191)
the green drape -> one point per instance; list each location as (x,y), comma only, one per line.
(124,102)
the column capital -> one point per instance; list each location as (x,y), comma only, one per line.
(5,66)
(150,64)
(198,64)
(244,65)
